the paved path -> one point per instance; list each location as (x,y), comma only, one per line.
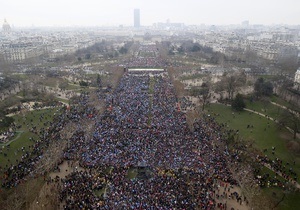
(14,139)
(297,185)
(268,117)
(284,107)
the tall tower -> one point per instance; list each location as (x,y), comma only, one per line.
(136,14)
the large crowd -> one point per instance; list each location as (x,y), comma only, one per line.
(147,57)
(16,173)
(143,128)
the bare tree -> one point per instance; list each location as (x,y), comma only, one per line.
(231,86)
(243,173)
(290,119)
(51,157)
(191,116)
(202,92)
(230,83)
(179,88)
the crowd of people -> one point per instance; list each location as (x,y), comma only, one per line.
(16,173)
(5,136)
(143,127)
(283,172)
(147,57)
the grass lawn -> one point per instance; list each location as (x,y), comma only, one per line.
(65,101)
(51,82)
(77,88)
(35,118)
(265,107)
(265,134)
(132,173)
(279,101)
(23,137)
(193,76)
(73,86)
(20,76)
(291,200)
(14,150)
(265,170)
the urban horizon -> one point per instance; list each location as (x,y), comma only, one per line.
(116,13)
(203,25)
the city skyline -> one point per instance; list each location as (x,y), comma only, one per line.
(118,12)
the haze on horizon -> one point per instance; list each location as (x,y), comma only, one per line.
(120,12)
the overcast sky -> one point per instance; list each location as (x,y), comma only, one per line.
(117,12)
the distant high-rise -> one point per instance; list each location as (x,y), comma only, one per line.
(137,23)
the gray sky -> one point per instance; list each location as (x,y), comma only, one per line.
(116,12)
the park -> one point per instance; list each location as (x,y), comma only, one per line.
(133,133)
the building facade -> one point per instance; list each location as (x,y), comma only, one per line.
(297,80)
(6,27)
(136,14)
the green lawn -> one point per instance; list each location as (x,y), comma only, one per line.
(34,118)
(291,200)
(265,107)
(66,101)
(265,170)
(14,150)
(73,87)
(279,101)
(20,76)
(265,134)
(193,76)
(51,82)
(23,137)
(132,173)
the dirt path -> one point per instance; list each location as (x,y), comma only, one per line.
(230,201)
(14,139)
(65,169)
(48,195)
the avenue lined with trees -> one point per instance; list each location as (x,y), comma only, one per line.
(139,135)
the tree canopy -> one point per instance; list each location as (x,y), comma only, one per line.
(263,88)
(6,121)
(231,83)
(238,103)
(83,83)
(290,119)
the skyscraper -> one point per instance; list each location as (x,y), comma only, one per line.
(137,18)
